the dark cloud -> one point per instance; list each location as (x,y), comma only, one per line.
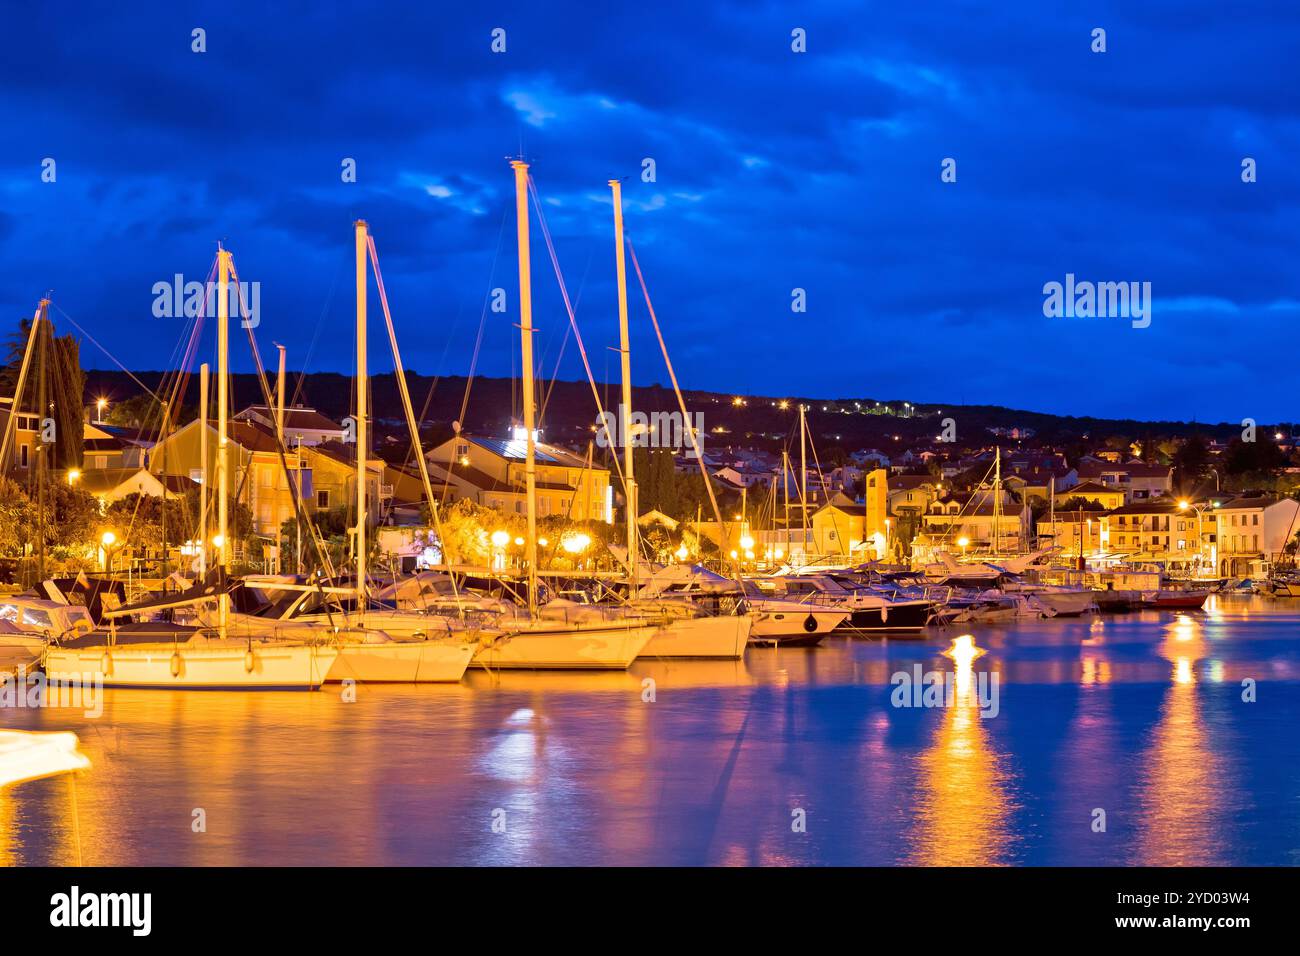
(774,171)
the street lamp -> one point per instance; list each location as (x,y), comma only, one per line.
(74,475)
(575,543)
(1183,505)
(100,405)
(963,543)
(107,539)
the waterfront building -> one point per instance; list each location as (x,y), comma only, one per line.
(303,425)
(1108,497)
(490,471)
(1253,533)
(1138,480)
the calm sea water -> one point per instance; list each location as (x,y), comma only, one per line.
(1138,715)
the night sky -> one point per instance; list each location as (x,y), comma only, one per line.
(775,170)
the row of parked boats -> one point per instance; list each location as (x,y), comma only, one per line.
(291,632)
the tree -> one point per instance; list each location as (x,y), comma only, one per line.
(16,518)
(1191,463)
(65,383)
(1252,457)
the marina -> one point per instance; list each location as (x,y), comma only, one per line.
(1141,715)
(551,453)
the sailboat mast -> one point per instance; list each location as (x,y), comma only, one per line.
(206,484)
(785,481)
(803,480)
(279,437)
(362,436)
(625,412)
(223,446)
(997,497)
(526,337)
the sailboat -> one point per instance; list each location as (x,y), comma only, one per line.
(404,647)
(162,654)
(685,629)
(540,640)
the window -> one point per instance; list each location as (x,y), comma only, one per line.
(1254,519)
(22,455)
(323,500)
(462,449)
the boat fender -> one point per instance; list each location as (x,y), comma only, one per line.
(106,663)
(249,661)
(810,624)
(884,614)
(176,664)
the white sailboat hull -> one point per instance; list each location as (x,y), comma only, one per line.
(402,662)
(722,637)
(566,647)
(210,665)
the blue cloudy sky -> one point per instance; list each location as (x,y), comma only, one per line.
(774,170)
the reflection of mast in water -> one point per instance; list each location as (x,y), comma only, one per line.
(962,806)
(1183,778)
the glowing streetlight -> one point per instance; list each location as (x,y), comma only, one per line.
(100,404)
(500,538)
(218,541)
(519,542)
(963,543)
(1183,505)
(107,539)
(747,542)
(74,475)
(542,542)
(575,543)
(682,553)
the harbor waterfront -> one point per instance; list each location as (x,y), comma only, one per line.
(1176,726)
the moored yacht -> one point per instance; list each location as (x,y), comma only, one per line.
(392,647)
(28,623)
(869,609)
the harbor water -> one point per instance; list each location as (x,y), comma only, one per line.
(1152,738)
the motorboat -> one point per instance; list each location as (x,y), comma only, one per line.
(869,609)
(28,623)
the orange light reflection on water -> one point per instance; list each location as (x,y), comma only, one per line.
(963,807)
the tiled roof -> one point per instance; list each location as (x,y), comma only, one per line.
(296,416)
(517,450)
(1090,488)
